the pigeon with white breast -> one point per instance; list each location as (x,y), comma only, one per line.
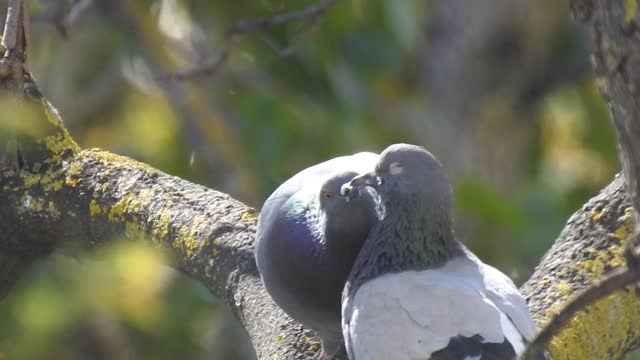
(307,240)
(415,292)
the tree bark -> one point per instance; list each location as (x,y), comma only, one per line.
(596,237)
(591,245)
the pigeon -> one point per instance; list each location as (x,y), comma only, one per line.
(307,239)
(415,291)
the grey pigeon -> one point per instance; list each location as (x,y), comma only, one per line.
(415,292)
(307,240)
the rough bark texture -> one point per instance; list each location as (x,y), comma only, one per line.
(616,42)
(52,192)
(594,240)
(591,244)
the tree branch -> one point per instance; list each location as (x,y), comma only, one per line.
(616,49)
(313,11)
(14,259)
(16,29)
(616,53)
(619,279)
(14,40)
(63,15)
(591,246)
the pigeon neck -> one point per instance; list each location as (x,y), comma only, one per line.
(409,238)
(351,221)
(416,237)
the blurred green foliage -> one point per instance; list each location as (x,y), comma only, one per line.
(122,304)
(352,84)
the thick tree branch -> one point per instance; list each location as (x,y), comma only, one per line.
(14,260)
(616,49)
(618,279)
(591,245)
(617,56)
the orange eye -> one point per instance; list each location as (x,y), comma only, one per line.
(326,195)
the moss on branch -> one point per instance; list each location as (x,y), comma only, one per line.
(590,246)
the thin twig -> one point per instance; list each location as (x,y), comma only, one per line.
(13,64)
(75,12)
(239,28)
(288,50)
(207,126)
(314,10)
(62,16)
(16,29)
(211,65)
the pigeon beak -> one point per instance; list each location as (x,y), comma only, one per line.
(352,189)
(349,191)
(368,179)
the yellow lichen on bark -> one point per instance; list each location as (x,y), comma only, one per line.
(108,157)
(595,333)
(630,10)
(249,215)
(62,139)
(161,225)
(94,208)
(187,238)
(597,214)
(73,174)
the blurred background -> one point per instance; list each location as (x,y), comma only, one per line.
(500,90)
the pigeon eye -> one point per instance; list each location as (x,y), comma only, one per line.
(396,168)
(326,195)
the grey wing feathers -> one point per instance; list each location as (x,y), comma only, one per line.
(467,310)
(503,292)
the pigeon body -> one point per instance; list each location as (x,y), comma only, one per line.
(307,239)
(415,292)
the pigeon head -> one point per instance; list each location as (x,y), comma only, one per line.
(417,229)
(345,217)
(328,197)
(405,172)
